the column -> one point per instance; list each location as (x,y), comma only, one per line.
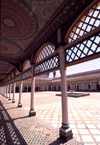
(65,130)
(83,86)
(43,87)
(47,87)
(20,92)
(99,85)
(51,87)
(76,86)
(38,88)
(70,86)
(32,111)
(90,86)
(9,92)
(27,88)
(56,87)
(14,85)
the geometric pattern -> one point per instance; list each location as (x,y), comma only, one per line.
(47,65)
(27,65)
(9,48)
(27,74)
(16,23)
(46,51)
(84,49)
(88,22)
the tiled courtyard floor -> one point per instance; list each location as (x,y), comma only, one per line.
(84,117)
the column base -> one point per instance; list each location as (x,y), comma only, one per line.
(32,113)
(13,101)
(9,98)
(19,105)
(66,134)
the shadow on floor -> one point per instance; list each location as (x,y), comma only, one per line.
(57,142)
(9,134)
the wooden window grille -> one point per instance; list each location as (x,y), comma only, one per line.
(27,65)
(85,48)
(89,21)
(44,52)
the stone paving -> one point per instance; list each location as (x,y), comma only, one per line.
(84,118)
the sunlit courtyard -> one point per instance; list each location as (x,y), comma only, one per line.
(84,113)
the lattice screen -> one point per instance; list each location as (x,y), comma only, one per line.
(84,49)
(88,22)
(47,65)
(46,51)
(27,65)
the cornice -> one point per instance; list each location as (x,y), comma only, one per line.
(7,59)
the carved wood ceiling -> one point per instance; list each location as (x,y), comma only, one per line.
(26,24)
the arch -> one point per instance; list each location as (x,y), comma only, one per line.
(16,72)
(44,51)
(26,65)
(87,21)
(12,75)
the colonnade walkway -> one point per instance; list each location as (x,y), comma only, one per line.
(16,127)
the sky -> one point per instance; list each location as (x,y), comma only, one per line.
(82,67)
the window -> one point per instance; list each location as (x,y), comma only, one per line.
(44,52)
(86,22)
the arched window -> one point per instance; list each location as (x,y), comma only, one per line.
(45,51)
(26,65)
(16,72)
(87,21)
(12,74)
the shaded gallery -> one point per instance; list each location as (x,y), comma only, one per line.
(43,36)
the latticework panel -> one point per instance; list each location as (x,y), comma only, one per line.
(44,52)
(47,65)
(27,74)
(17,78)
(27,65)
(86,23)
(83,49)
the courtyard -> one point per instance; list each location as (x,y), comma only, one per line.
(84,117)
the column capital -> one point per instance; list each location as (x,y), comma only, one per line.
(61,49)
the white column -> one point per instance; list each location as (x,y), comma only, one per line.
(38,88)
(27,88)
(56,87)
(43,87)
(51,87)
(14,85)
(90,86)
(83,86)
(76,86)
(99,85)
(9,92)
(65,130)
(47,87)
(20,91)
(32,112)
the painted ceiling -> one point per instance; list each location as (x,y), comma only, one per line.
(21,20)
(26,24)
